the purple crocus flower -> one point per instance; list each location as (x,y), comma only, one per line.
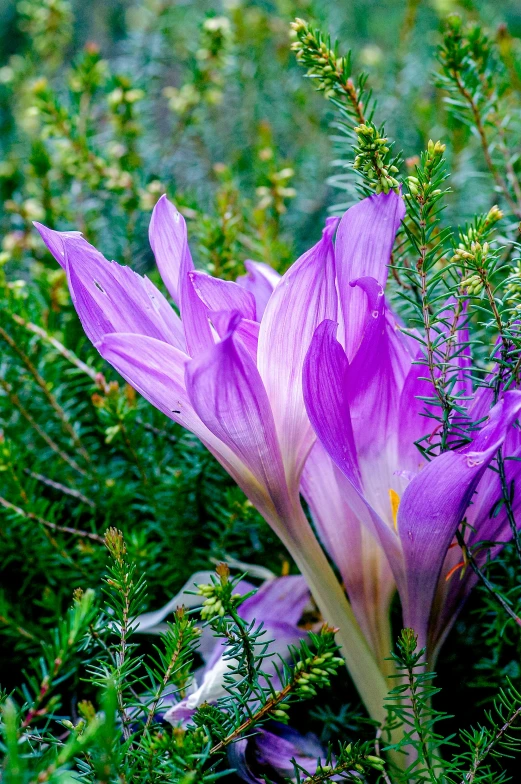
(230,368)
(260,367)
(366,411)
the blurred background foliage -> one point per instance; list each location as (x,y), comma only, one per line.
(103,107)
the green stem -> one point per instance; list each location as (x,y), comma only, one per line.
(336,611)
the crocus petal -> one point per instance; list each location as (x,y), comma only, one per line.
(435,503)
(260,280)
(487,522)
(219,295)
(168,238)
(344,526)
(452,336)
(54,240)
(108,297)
(377,374)
(326,382)
(363,248)
(246,331)
(413,423)
(304,297)
(157,370)
(460,357)
(227,393)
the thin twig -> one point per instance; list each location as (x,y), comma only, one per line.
(156,431)
(21,631)
(60,413)
(500,181)
(69,355)
(15,400)
(471,775)
(54,526)
(377,749)
(61,488)
(171,665)
(484,579)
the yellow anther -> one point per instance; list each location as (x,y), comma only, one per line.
(394,498)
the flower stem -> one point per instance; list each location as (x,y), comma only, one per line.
(336,610)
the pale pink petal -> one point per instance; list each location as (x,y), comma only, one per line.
(304,297)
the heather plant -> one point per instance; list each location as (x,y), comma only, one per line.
(361,402)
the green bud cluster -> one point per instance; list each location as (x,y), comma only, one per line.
(207,81)
(435,152)
(473,285)
(313,672)
(513,288)
(320,60)
(277,192)
(220,598)
(281,712)
(421,184)
(473,253)
(48,24)
(493,216)
(474,256)
(372,152)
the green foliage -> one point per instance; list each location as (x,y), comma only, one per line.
(101,111)
(485,745)
(332,73)
(124,740)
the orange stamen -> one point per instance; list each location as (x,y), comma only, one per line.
(395,503)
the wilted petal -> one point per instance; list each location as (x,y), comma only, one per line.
(435,503)
(283,598)
(304,297)
(278,606)
(260,280)
(108,297)
(222,295)
(267,754)
(363,248)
